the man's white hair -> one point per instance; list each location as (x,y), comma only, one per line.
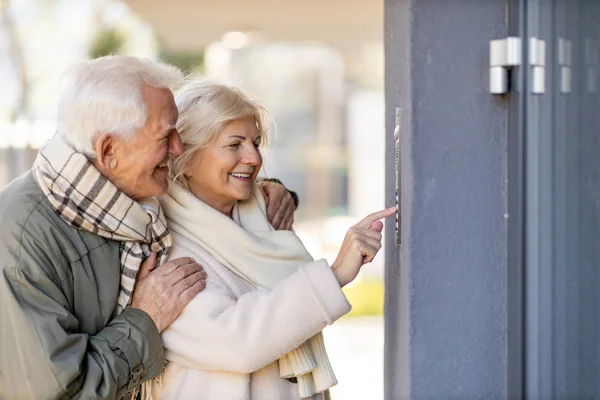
(105,96)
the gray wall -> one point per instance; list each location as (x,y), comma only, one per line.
(446,296)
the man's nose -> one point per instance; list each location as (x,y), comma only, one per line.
(175,144)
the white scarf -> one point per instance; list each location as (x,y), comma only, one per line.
(250,247)
(86,200)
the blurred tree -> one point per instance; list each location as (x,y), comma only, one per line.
(15,53)
(107,41)
(188,62)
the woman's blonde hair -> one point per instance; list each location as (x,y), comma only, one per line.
(205,108)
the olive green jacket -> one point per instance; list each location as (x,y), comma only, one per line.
(58,291)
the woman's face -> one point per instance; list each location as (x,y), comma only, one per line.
(224,172)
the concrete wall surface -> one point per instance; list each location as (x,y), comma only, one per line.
(446,295)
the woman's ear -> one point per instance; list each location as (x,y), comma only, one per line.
(105,151)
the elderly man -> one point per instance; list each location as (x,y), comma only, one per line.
(83,226)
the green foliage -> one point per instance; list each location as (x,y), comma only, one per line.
(188,62)
(108,41)
(366,297)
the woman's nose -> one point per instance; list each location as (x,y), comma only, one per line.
(252,155)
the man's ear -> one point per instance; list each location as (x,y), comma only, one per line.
(104,146)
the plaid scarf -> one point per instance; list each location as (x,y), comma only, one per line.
(86,200)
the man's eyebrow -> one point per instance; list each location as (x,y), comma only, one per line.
(168,129)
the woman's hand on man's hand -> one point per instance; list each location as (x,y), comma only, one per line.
(360,246)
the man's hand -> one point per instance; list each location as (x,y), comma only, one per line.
(164,292)
(280,205)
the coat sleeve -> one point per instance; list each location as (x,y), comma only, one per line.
(218,332)
(42,352)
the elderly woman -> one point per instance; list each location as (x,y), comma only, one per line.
(255,331)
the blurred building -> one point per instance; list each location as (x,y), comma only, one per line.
(318,67)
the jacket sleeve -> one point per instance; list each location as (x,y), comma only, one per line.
(218,332)
(43,353)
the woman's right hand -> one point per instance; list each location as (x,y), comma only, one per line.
(361,244)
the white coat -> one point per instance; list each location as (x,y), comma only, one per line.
(226,343)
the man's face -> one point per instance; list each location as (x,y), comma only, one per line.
(141,170)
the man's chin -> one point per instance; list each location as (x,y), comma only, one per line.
(161,181)
(162,188)
(157,189)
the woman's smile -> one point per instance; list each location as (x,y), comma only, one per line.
(244,177)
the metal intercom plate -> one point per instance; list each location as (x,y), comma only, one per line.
(397,230)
